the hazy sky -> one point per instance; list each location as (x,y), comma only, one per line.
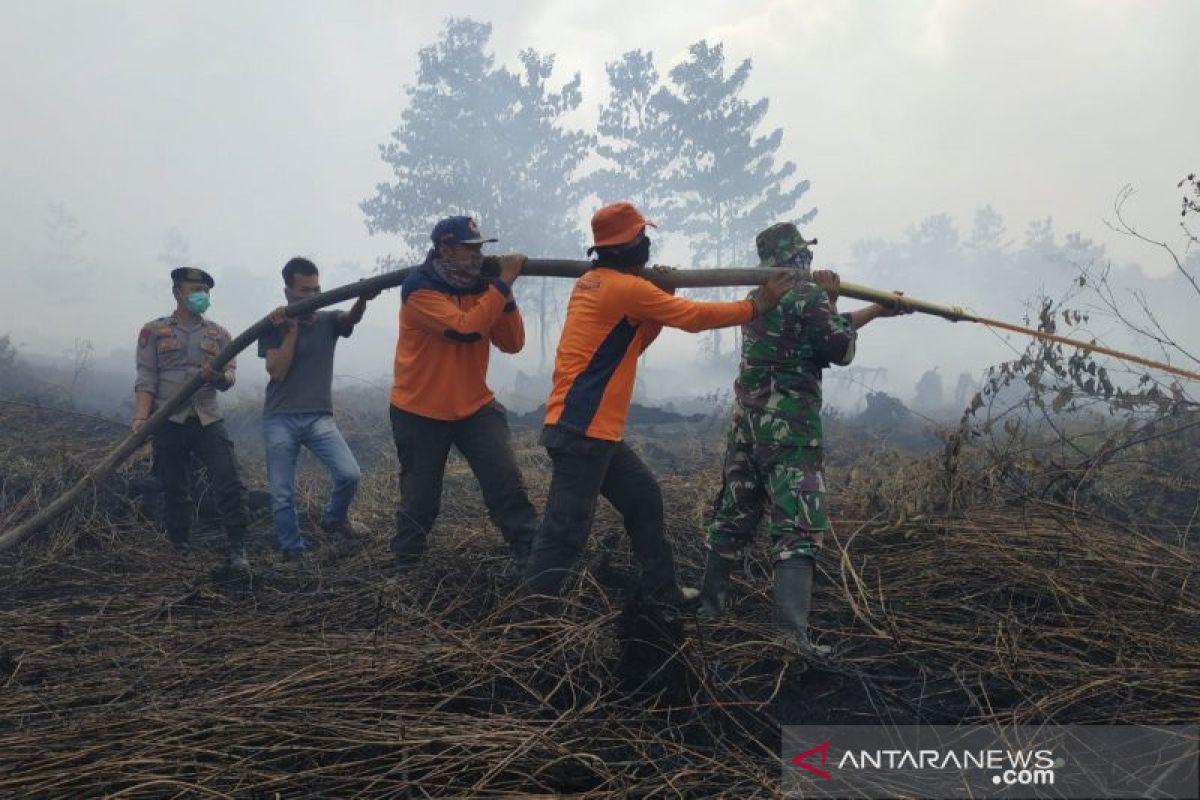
(252,127)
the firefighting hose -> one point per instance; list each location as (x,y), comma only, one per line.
(552,268)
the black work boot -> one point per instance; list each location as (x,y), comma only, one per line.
(520,546)
(407,559)
(237,549)
(715,598)
(660,584)
(180,543)
(408,544)
(676,596)
(348,529)
(793,601)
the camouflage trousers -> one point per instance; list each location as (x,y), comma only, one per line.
(770,463)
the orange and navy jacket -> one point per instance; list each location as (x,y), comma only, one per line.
(445,335)
(611,318)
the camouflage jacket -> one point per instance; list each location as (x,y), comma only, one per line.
(784,351)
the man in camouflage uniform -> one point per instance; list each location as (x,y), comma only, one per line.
(171,350)
(773,456)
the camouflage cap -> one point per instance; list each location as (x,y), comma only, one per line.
(779,243)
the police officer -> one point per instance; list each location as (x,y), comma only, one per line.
(171,350)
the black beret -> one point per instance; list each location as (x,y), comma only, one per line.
(192,274)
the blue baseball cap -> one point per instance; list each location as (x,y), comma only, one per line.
(458,230)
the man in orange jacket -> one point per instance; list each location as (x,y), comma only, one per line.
(450,317)
(612,317)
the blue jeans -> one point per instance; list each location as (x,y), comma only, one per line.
(283,434)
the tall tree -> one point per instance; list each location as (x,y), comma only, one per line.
(689,153)
(988,233)
(726,177)
(483,140)
(729,183)
(635,138)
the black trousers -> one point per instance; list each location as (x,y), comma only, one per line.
(423,444)
(584,469)
(174,445)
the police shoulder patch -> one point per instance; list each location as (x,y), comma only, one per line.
(144,336)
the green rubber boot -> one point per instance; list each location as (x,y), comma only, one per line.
(715,598)
(793,601)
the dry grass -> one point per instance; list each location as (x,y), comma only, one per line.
(126,673)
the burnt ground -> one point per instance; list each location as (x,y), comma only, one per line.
(125,670)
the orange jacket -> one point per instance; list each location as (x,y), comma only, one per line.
(612,317)
(445,336)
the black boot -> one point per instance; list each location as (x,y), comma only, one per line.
(677,597)
(519,547)
(793,600)
(715,598)
(409,543)
(180,543)
(237,549)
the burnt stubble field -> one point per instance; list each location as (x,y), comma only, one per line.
(128,672)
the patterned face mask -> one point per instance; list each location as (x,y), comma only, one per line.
(802,260)
(462,272)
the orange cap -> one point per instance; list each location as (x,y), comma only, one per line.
(617,223)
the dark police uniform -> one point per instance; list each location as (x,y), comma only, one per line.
(170,352)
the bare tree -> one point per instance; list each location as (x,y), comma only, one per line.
(1092,433)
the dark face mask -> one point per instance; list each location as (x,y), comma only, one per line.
(626,260)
